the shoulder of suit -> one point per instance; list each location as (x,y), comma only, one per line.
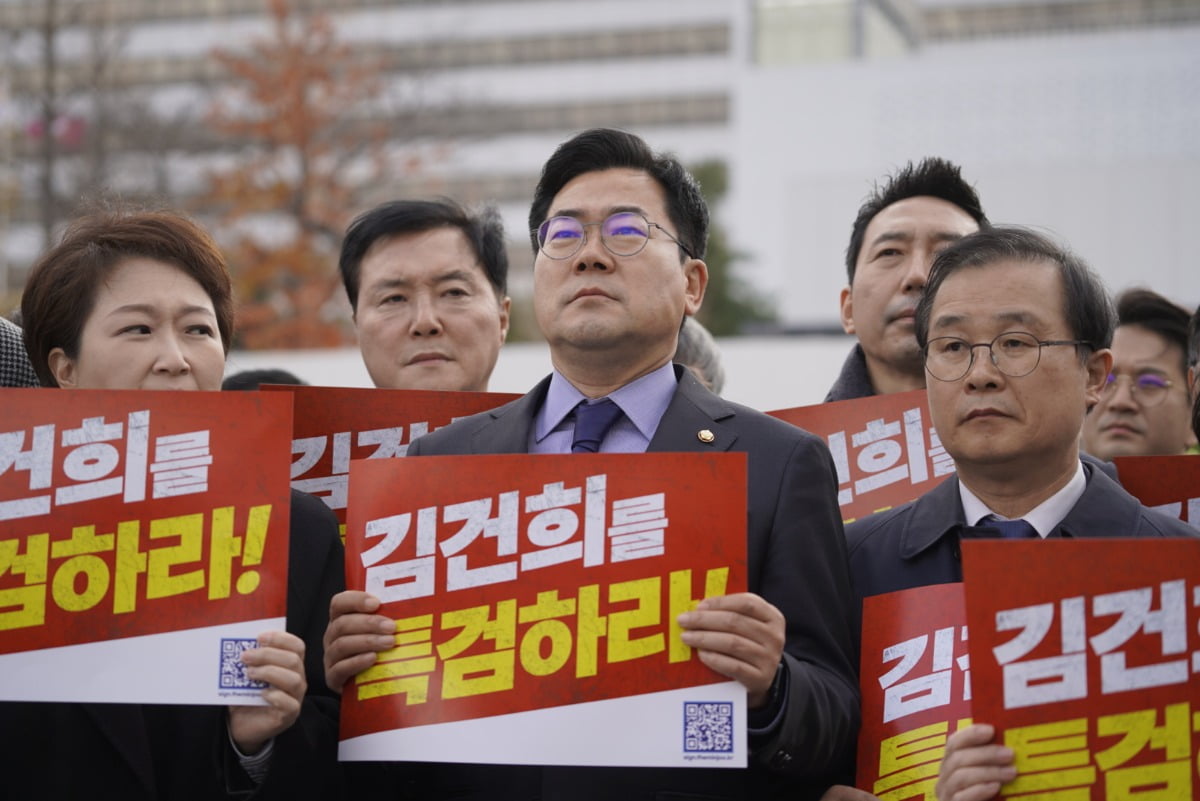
(1163,524)
(747,416)
(863,530)
(435,441)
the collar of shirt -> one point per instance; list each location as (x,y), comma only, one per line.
(1043,517)
(644,401)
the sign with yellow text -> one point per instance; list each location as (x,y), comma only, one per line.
(916,688)
(884,447)
(535,600)
(143,543)
(1085,655)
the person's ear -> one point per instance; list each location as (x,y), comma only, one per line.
(505,311)
(1098,365)
(695,273)
(63,368)
(847,310)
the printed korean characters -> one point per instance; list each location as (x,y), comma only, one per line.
(333,425)
(126,514)
(524,582)
(1089,663)
(916,688)
(885,451)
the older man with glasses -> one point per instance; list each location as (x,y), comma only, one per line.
(1015,333)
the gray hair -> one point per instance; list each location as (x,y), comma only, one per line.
(698,351)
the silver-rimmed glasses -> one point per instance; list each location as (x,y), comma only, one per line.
(624,234)
(1014,353)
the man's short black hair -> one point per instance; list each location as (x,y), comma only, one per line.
(1150,310)
(931,177)
(1087,307)
(483,230)
(605,149)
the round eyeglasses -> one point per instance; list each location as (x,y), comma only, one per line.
(1014,353)
(1146,389)
(624,234)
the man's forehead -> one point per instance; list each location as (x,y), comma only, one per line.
(599,193)
(921,212)
(1135,346)
(402,266)
(435,249)
(1004,291)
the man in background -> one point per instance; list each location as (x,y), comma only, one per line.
(1015,332)
(898,231)
(427,282)
(1145,404)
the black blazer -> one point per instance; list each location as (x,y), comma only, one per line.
(917,544)
(135,752)
(797,561)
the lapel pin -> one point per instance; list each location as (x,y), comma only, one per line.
(705,436)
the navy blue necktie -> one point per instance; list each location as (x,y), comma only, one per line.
(593,419)
(1014,529)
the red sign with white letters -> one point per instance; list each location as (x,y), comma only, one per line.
(125,514)
(334,425)
(916,689)
(1084,655)
(884,447)
(1170,484)
(521,582)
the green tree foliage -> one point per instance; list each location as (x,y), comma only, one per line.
(731,306)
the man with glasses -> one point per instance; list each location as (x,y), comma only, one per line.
(1015,333)
(899,229)
(619,235)
(1144,407)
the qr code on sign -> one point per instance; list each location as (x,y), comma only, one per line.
(233,671)
(707,727)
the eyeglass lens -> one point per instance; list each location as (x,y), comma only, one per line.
(1013,353)
(1144,388)
(624,233)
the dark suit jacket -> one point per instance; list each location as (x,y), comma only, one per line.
(918,544)
(176,753)
(796,555)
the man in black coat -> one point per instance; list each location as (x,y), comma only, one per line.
(1015,333)
(619,233)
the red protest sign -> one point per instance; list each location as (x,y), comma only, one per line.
(1168,483)
(885,450)
(524,583)
(1083,654)
(334,425)
(915,688)
(125,516)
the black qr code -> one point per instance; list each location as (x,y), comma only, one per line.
(233,671)
(708,727)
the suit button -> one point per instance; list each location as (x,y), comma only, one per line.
(780,759)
